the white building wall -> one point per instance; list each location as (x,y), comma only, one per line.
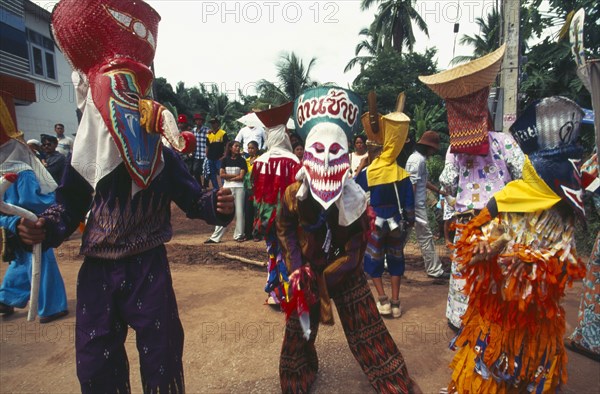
(55,99)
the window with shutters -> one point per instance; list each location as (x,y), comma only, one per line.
(41,55)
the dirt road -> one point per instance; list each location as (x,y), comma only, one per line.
(233,340)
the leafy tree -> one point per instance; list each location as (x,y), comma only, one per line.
(435,166)
(392,72)
(226,111)
(183,99)
(428,118)
(198,100)
(485,42)
(550,69)
(557,14)
(393,24)
(490,27)
(369,45)
(163,92)
(432,118)
(293,78)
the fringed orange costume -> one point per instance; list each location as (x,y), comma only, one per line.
(511,339)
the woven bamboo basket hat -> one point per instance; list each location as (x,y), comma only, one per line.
(466,78)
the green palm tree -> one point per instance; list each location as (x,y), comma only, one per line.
(369,45)
(293,77)
(393,23)
(221,108)
(483,43)
(488,38)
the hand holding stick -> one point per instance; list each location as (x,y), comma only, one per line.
(36,258)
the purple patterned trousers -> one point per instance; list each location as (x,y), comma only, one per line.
(368,338)
(113,295)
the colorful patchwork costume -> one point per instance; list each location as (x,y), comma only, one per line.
(479,162)
(121,174)
(34,191)
(512,334)
(586,336)
(322,226)
(273,172)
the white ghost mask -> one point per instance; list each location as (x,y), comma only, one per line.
(326,162)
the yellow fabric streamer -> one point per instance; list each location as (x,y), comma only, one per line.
(529,194)
(384,169)
(6,120)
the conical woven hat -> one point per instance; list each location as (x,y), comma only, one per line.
(466,78)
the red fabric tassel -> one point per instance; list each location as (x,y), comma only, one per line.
(303,292)
(272,178)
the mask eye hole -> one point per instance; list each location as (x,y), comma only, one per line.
(335,148)
(133,96)
(318,147)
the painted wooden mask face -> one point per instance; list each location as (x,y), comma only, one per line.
(326,162)
(326,118)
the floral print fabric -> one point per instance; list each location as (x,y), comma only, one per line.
(474,179)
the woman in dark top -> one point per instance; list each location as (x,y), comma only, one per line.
(233,169)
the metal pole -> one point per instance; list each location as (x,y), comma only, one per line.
(510,66)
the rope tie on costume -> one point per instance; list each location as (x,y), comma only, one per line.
(326,314)
(327,243)
(321,220)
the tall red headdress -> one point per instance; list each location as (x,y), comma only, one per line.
(113,43)
(93,32)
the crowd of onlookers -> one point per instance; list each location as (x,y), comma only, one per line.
(219,162)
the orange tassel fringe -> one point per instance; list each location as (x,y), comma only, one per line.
(511,339)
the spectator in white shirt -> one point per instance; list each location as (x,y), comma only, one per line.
(65,144)
(427,146)
(251,133)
